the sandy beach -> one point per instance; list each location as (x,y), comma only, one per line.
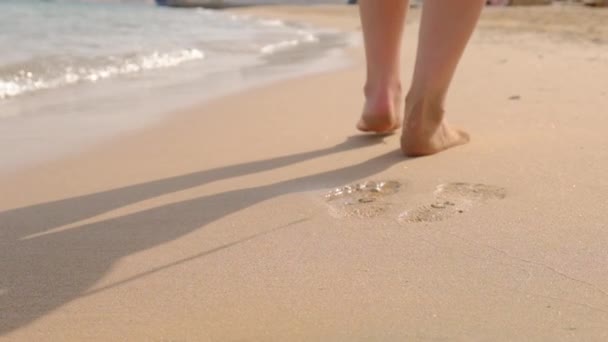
(265,216)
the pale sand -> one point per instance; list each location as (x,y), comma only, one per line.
(213,225)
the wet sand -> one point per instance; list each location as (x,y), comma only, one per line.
(264,216)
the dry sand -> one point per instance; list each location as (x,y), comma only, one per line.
(214,226)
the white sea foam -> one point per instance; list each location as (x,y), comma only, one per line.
(307,36)
(27,81)
(272,48)
(303,37)
(9,89)
(272,22)
(97,49)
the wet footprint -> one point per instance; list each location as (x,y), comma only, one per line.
(453,199)
(363,200)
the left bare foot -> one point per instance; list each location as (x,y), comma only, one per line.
(381,110)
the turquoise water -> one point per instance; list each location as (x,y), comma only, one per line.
(75,72)
(52,44)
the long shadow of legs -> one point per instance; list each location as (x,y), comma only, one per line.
(21,222)
(45,272)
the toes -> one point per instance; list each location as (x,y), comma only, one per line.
(459,137)
(464,137)
(444,138)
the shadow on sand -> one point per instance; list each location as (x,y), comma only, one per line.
(42,273)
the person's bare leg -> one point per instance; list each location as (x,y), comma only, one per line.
(382,22)
(445,30)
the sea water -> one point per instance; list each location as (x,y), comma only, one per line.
(85,68)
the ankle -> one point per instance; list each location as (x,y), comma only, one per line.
(384,88)
(424,110)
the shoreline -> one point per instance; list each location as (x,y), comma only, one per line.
(47,129)
(541,20)
(215,224)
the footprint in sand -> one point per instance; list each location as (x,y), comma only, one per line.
(453,199)
(363,200)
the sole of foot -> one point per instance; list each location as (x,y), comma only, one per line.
(379,123)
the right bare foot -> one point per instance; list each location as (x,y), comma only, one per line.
(380,113)
(426,132)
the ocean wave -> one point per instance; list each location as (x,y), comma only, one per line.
(39,78)
(274,47)
(85,58)
(272,22)
(303,38)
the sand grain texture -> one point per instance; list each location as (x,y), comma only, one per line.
(214,225)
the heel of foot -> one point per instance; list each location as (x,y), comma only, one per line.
(384,123)
(380,113)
